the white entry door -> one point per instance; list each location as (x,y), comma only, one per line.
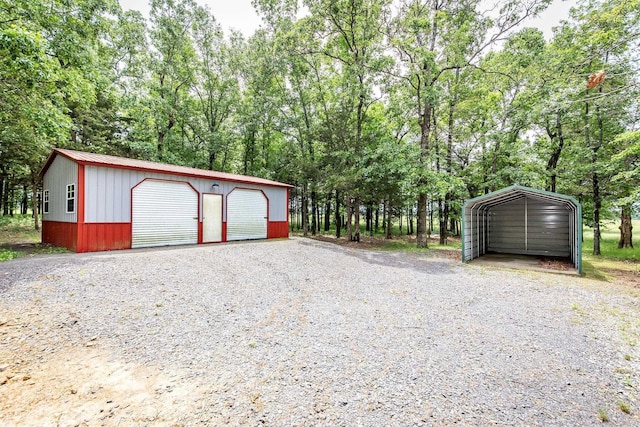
(211,218)
(163,213)
(246,215)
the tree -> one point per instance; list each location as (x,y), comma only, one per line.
(431,37)
(216,88)
(172,66)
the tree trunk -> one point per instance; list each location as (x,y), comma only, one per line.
(449,156)
(338,223)
(160,148)
(552,164)
(12,201)
(411,220)
(327,214)
(5,200)
(422,221)
(317,203)
(2,181)
(388,227)
(24,203)
(305,211)
(292,212)
(314,213)
(347,209)
(356,220)
(384,215)
(443,222)
(626,226)
(597,198)
(34,191)
(430,219)
(377,218)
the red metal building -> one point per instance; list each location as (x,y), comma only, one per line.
(95,202)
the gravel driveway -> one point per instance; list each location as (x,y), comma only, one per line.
(301,332)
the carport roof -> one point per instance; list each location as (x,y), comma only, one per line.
(516,191)
(92,159)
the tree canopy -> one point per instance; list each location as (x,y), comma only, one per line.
(402,108)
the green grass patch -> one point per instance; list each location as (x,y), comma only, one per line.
(18,238)
(18,229)
(609,237)
(7,254)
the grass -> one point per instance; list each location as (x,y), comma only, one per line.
(399,241)
(612,262)
(624,407)
(610,235)
(602,414)
(7,254)
(19,238)
(18,229)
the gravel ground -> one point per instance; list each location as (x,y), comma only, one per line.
(301,332)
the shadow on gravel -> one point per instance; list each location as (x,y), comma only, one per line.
(31,267)
(418,262)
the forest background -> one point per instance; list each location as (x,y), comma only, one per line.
(385,109)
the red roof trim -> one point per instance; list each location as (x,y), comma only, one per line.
(91,159)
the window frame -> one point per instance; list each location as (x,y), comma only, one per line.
(45,202)
(72,198)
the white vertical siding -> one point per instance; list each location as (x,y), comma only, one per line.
(108,195)
(61,173)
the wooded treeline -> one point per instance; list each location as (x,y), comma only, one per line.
(389,109)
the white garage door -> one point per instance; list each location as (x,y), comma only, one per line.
(164,213)
(246,215)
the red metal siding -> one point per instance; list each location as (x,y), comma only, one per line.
(224,231)
(104,236)
(63,234)
(277,229)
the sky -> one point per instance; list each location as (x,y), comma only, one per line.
(240,15)
(236,14)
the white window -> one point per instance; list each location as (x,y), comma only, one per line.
(71,198)
(45,202)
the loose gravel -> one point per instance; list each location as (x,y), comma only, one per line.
(302,332)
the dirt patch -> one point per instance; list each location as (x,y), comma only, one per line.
(396,242)
(556,264)
(29,248)
(624,277)
(79,385)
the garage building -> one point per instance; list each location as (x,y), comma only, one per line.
(94,202)
(523,221)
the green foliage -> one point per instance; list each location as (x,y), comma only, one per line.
(374,101)
(7,254)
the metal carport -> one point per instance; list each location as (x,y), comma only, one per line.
(524,221)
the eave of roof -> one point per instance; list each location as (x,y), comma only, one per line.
(92,159)
(521,190)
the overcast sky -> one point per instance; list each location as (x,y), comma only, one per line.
(240,15)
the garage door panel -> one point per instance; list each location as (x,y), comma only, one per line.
(246,215)
(164,213)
